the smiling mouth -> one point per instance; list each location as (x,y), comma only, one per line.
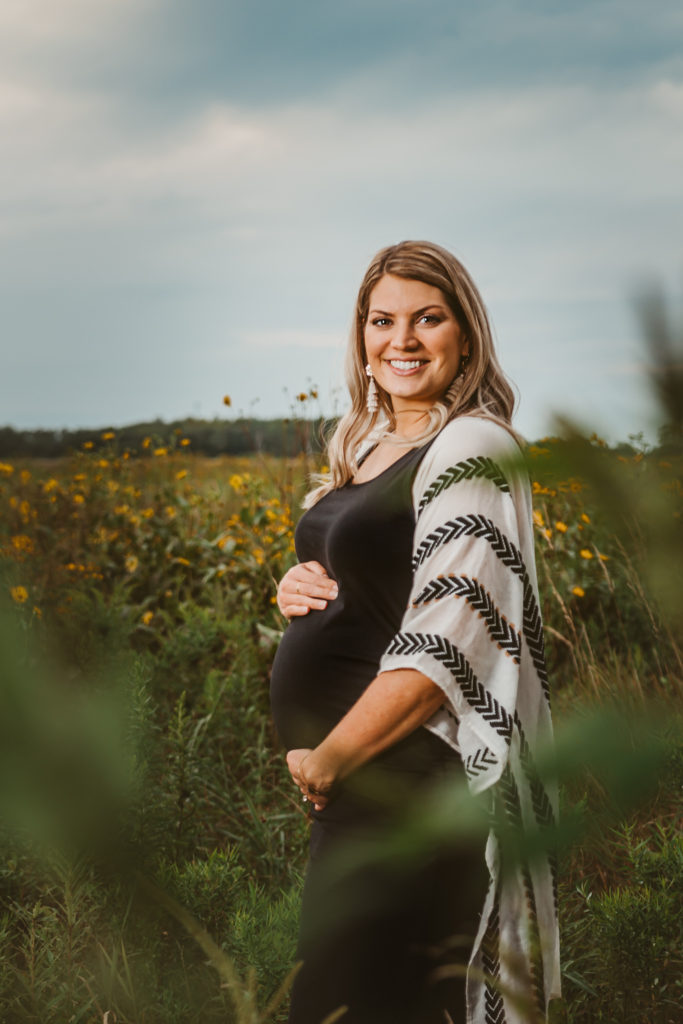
(406,365)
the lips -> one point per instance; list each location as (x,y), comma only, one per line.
(406,365)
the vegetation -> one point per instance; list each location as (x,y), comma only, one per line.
(153,846)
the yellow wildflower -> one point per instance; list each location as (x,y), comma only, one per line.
(538,518)
(112,486)
(236,482)
(185,441)
(25,511)
(585,553)
(146,618)
(548,533)
(147,513)
(131,563)
(227,400)
(37,612)
(78,499)
(146,442)
(108,435)
(88,444)
(585,518)
(578,591)
(170,512)
(19,595)
(120,510)
(160,451)
(604,558)
(561,527)
(182,561)
(50,485)
(134,520)
(25,476)
(181,474)
(302,396)
(6,468)
(79,477)
(103,463)
(20,542)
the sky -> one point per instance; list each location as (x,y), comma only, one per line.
(191,191)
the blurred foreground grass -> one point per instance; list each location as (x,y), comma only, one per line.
(152,845)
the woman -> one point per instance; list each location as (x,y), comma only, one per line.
(414,604)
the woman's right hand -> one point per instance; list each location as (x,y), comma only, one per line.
(305,586)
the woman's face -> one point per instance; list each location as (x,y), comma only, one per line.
(413,341)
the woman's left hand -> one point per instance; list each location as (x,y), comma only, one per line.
(312,779)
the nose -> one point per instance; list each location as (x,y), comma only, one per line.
(404,335)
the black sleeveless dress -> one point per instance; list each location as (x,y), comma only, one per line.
(368,934)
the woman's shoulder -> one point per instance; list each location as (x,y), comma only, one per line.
(467,437)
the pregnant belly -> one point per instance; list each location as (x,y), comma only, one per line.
(315,679)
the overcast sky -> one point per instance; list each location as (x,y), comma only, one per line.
(191,191)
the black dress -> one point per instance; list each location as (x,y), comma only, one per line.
(370,933)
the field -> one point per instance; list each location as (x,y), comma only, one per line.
(153,845)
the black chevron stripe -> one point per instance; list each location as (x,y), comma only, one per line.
(479,761)
(494,1009)
(471,525)
(508,792)
(533,634)
(511,557)
(543,808)
(500,630)
(474,693)
(535,957)
(468,469)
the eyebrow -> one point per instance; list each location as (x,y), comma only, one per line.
(432,305)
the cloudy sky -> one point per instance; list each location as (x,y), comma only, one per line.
(191,191)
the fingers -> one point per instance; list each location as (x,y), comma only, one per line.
(304,588)
(295,760)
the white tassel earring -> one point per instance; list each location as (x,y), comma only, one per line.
(455,387)
(372,398)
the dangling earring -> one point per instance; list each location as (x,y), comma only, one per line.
(372,398)
(455,387)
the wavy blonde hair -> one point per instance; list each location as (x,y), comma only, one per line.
(485,390)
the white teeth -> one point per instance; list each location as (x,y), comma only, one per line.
(404,364)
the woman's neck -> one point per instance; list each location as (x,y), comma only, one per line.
(409,422)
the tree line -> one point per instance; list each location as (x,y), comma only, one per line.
(242,436)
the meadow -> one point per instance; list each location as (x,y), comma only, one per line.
(153,845)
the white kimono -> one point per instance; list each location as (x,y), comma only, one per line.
(473,627)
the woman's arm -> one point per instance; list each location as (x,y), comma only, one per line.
(394,705)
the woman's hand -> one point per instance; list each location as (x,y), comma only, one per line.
(305,586)
(313,779)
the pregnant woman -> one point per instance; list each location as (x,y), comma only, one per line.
(414,658)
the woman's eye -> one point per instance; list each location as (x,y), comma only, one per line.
(429,318)
(380,321)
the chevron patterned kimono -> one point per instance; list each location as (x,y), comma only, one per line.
(474,628)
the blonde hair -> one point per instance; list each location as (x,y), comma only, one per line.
(484,392)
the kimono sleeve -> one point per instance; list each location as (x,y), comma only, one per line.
(463,627)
